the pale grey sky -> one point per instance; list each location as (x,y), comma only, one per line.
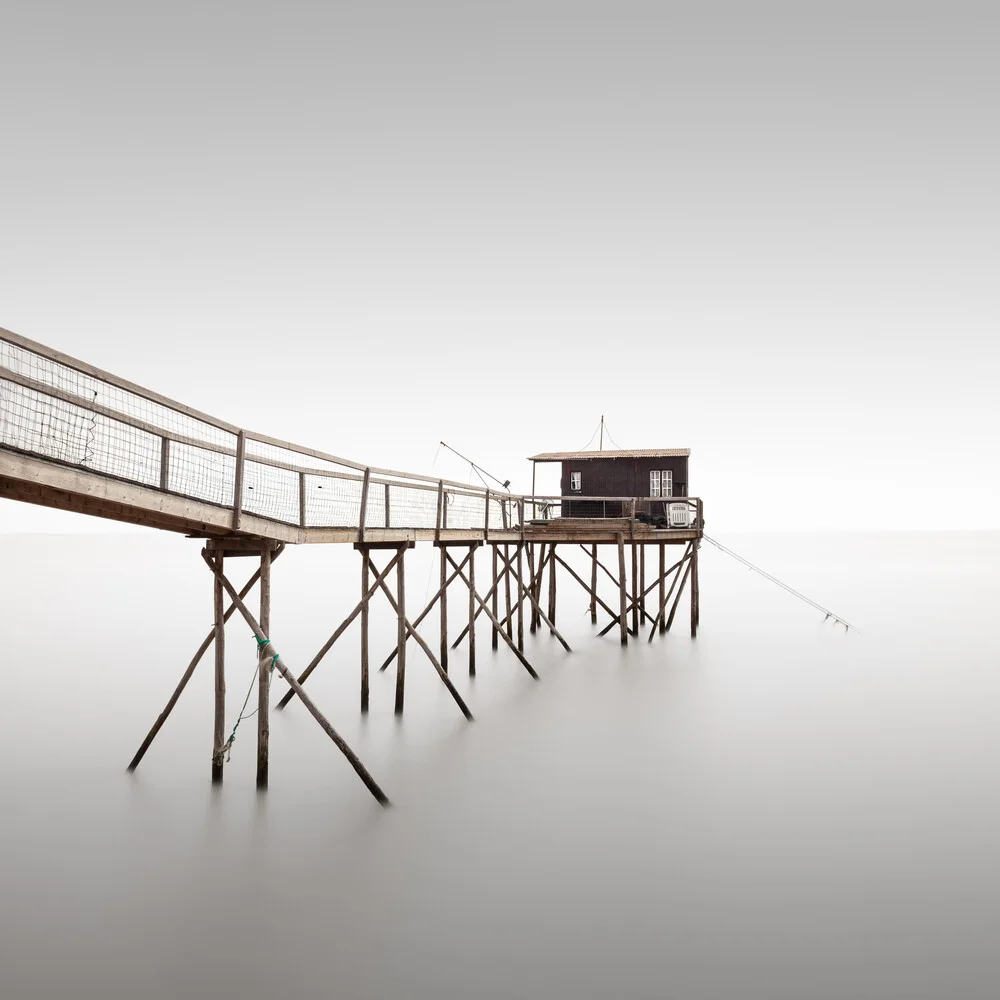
(767,232)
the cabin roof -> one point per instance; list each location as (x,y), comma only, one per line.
(572,456)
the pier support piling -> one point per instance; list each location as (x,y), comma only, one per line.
(219,725)
(443,598)
(365,625)
(472,611)
(593,585)
(622,590)
(264,671)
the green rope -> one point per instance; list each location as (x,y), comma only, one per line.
(227,747)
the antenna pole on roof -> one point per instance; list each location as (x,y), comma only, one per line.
(601,447)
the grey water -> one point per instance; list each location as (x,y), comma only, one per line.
(776,809)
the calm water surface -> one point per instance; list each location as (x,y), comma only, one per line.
(774,810)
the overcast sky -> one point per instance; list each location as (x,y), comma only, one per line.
(767,232)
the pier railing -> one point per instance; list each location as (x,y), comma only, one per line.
(66,411)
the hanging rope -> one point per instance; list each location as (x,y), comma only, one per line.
(591,441)
(784,586)
(611,439)
(227,748)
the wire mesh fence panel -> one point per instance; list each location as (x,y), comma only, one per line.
(376,510)
(332,503)
(202,474)
(92,390)
(413,506)
(42,425)
(117,449)
(270,492)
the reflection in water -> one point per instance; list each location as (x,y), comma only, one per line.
(776,810)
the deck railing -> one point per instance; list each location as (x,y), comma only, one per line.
(64,410)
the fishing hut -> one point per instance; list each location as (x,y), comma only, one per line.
(592,483)
(78,438)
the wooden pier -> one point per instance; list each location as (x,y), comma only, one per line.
(76,438)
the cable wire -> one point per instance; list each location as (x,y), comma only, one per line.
(784,586)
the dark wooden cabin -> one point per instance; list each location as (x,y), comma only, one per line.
(653,474)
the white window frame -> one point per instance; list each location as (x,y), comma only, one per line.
(661,483)
(575,482)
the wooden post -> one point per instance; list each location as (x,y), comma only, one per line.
(536,587)
(662,589)
(593,585)
(520,597)
(219,730)
(531,585)
(506,589)
(695,594)
(365,619)
(165,463)
(387,511)
(642,583)
(302,499)
(494,600)
(444,610)
(472,611)
(241,445)
(264,669)
(400,629)
(635,581)
(622,593)
(552,583)
(363,513)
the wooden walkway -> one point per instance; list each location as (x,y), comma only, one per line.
(78,438)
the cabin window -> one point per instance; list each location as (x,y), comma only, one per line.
(575,482)
(661,483)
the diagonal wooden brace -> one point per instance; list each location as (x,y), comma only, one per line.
(423,645)
(489,614)
(423,614)
(328,645)
(679,578)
